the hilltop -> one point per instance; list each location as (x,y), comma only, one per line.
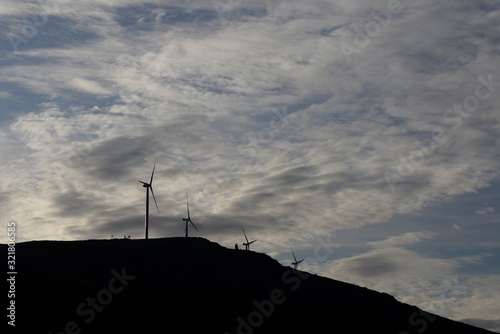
(180,285)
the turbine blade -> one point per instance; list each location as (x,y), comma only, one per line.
(151,182)
(142,182)
(251,242)
(193,225)
(293,255)
(244,233)
(300,261)
(152,192)
(187,204)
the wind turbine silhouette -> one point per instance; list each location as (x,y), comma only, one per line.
(188,219)
(248,243)
(296,263)
(149,186)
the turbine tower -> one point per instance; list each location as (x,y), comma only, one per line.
(188,219)
(248,243)
(296,263)
(149,186)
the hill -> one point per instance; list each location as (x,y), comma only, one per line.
(180,285)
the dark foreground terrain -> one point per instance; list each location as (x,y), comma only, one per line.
(179,285)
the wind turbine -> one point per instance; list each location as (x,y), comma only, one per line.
(296,263)
(248,243)
(149,186)
(188,219)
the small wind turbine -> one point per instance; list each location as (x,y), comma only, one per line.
(188,219)
(149,186)
(248,243)
(296,263)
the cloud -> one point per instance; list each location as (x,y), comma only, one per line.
(429,283)
(4,203)
(403,239)
(75,204)
(395,263)
(484,211)
(204,101)
(493,325)
(373,265)
(88,86)
(5,95)
(480,304)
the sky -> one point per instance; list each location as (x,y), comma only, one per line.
(362,134)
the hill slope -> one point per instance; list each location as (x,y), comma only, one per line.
(180,285)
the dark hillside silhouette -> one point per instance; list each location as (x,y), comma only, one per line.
(192,285)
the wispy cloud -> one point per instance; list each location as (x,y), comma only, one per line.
(483,211)
(402,240)
(88,86)
(202,100)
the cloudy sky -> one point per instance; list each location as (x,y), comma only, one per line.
(364,134)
